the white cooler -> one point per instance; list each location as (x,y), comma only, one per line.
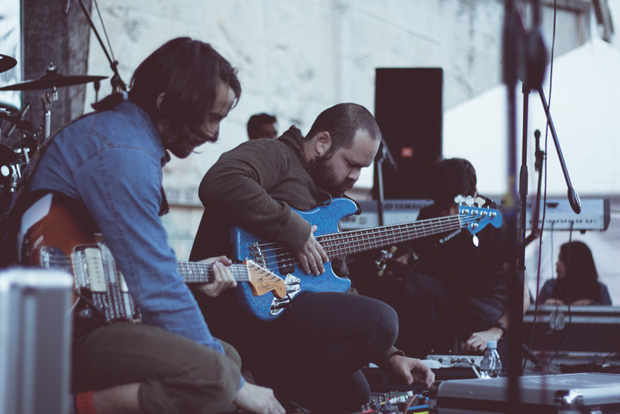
(35,341)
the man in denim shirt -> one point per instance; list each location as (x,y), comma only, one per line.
(111,162)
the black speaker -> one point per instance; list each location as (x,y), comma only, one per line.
(409,111)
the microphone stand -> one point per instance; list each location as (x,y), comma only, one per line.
(382,155)
(117,83)
(540,157)
(510,59)
(573,197)
(531,44)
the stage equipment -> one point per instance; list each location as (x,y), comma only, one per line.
(6,63)
(591,329)
(50,80)
(409,110)
(559,215)
(560,394)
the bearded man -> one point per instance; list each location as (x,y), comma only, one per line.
(312,354)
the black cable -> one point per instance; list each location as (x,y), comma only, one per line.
(92,305)
(117,82)
(105,32)
(568,304)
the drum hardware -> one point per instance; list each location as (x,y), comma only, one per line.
(6,63)
(25,126)
(10,174)
(51,80)
(14,161)
(20,116)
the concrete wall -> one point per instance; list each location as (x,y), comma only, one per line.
(297,58)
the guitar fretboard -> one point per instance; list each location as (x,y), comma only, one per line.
(357,241)
(200,272)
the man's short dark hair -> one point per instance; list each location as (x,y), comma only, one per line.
(447,178)
(255,122)
(342,121)
(188,71)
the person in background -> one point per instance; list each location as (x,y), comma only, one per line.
(262,126)
(577,281)
(108,165)
(451,295)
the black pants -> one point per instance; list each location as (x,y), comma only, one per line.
(312,354)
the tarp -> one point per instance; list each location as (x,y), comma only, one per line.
(585,108)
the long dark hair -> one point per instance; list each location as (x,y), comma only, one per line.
(581,278)
(188,71)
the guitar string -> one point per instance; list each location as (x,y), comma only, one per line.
(421,223)
(337,243)
(386,235)
(334,243)
(382,230)
(405,230)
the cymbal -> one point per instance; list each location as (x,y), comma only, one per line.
(50,80)
(6,63)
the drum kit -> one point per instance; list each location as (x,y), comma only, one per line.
(13,161)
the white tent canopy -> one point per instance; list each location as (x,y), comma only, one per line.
(585,107)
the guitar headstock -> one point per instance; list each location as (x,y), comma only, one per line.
(474,217)
(263,281)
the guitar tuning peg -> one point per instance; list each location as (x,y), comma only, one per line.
(480,202)
(459,199)
(475,240)
(469,200)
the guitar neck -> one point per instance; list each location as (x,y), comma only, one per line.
(357,241)
(200,272)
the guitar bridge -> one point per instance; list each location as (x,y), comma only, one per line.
(96,271)
(293,287)
(284,262)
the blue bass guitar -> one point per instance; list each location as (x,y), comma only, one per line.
(336,244)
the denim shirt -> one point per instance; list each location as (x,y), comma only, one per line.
(112,162)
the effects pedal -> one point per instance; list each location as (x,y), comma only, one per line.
(397,402)
(454,366)
(454,361)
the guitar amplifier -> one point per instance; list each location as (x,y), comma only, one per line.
(557,394)
(35,340)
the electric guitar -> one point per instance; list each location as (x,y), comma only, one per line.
(54,236)
(336,244)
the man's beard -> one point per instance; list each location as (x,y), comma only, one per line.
(181,144)
(324,176)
